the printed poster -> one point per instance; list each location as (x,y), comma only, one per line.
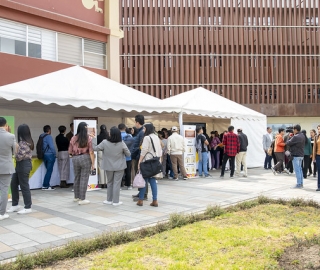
(92,129)
(189,135)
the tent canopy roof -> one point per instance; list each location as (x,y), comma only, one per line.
(78,87)
(206,103)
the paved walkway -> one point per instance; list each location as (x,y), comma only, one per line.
(56,219)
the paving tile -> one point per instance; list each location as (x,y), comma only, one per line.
(25,245)
(5,248)
(69,235)
(20,228)
(81,228)
(102,220)
(32,222)
(3,230)
(58,221)
(55,230)
(12,239)
(41,215)
(10,254)
(42,237)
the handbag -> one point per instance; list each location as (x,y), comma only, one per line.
(138,181)
(287,153)
(150,167)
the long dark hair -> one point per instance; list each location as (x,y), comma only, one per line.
(115,135)
(82,134)
(149,129)
(24,134)
(103,132)
(304,132)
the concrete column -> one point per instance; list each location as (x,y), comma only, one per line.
(111,13)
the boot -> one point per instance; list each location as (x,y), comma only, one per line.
(140,203)
(63,184)
(154,203)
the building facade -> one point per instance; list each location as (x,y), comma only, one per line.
(263,54)
(38,37)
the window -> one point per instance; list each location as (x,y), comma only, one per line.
(21,39)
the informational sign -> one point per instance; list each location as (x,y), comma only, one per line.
(92,131)
(189,134)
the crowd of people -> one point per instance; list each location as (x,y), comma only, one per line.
(122,150)
(292,151)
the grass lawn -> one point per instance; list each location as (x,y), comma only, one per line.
(247,239)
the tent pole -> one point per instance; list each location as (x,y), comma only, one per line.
(180,120)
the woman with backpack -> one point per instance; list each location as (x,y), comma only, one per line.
(23,167)
(81,150)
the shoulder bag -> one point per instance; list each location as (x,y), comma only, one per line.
(152,166)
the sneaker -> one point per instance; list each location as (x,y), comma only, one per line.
(185,178)
(25,211)
(208,175)
(13,209)
(242,172)
(83,202)
(176,179)
(116,204)
(47,188)
(4,216)
(129,188)
(213,169)
(221,176)
(298,186)
(231,176)
(76,199)
(107,202)
(286,171)
(273,170)
(244,175)
(135,196)
(318,189)
(171,178)
(200,175)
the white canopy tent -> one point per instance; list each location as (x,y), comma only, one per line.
(206,103)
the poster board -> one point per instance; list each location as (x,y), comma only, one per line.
(189,157)
(92,129)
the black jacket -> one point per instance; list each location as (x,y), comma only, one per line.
(296,144)
(243,139)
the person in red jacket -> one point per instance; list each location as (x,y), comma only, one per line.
(279,145)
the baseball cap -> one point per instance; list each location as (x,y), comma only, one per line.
(174,128)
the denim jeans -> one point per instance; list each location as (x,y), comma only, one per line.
(318,168)
(267,161)
(154,189)
(297,161)
(203,164)
(48,160)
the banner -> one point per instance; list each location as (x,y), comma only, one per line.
(189,135)
(92,129)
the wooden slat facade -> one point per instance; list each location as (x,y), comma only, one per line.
(249,51)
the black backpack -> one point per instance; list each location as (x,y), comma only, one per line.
(39,147)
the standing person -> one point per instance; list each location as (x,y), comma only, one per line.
(135,154)
(202,148)
(296,144)
(128,139)
(70,134)
(164,152)
(81,150)
(312,165)
(215,154)
(150,144)
(231,149)
(307,154)
(63,157)
(241,157)
(279,145)
(49,156)
(114,152)
(7,150)
(103,135)
(266,142)
(316,155)
(288,159)
(23,167)
(176,148)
